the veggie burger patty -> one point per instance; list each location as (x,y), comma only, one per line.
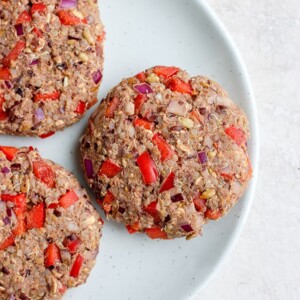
(51,60)
(49,231)
(165,153)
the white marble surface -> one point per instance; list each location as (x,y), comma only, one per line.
(266,260)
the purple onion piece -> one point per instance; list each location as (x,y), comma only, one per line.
(143,88)
(5,170)
(202,157)
(39,114)
(34,62)
(89,170)
(8,212)
(15,166)
(121,210)
(187,228)
(68,4)
(8,84)
(177,198)
(97,76)
(6,220)
(19,29)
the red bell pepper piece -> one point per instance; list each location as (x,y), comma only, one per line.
(5,74)
(21,225)
(165,72)
(166,152)
(52,255)
(138,102)
(141,76)
(147,167)
(226,176)
(3,114)
(112,107)
(80,109)
(101,37)
(24,17)
(156,233)
(9,241)
(213,214)
(236,134)
(133,228)
(76,266)
(107,201)
(178,85)
(168,183)
(68,19)
(138,122)
(10,152)
(46,135)
(45,97)
(37,32)
(196,116)
(68,199)
(63,289)
(14,53)
(53,205)
(109,169)
(38,7)
(44,172)
(152,210)
(19,200)
(36,216)
(199,203)
(73,244)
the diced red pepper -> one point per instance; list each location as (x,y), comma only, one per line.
(80,109)
(68,199)
(101,37)
(165,72)
(111,107)
(68,19)
(147,167)
(177,85)
(200,204)
(19,200)
(76,266)
(21,225)
(24,17)
(156,233)
(7,242)
(44,172)
(141,76)
(236,134)
(63,289)
(5,74)
(14,53)
(10,152)
(151,209)
(3,114)
(38,7)
(52,255)
(73,244)
(36,216)
(53,205)
(46,135)
(138,122)
(107,201)
(168,183)
(213,214)
(109,169)
(46,97)
(37,32)
(196,116)
(133,228)
(227,176)
(138,102)
(166,152)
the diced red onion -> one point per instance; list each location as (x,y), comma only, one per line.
(97,76)
(19,29)
(143,88)
(179,108)
(187,228)
(8,84)
(5,170)
(6,220)
(39,114)
(34,62)
(8,212)
(68,4)
(177,198)
(89,170)
(202,157)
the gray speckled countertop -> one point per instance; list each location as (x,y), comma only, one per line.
(265,262)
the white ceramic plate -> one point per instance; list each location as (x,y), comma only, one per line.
(141,34)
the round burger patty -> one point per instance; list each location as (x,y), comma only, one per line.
(165,153)
(49,231)
(51,60)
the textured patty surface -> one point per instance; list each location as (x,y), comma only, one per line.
(49,231)
(165,153)
(51,59)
